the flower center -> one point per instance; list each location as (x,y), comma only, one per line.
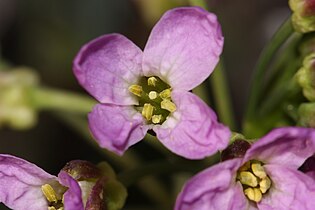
(155,102)
(55,202)
(254,180)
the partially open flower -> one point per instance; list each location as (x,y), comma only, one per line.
(267,177)
(80,185)
(146,90)
(303,17)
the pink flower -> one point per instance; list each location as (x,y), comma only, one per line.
(266,178)
(80,185)
(139,91)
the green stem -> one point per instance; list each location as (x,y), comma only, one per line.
(279,38)
(222,97)
(200,3)
(47,98)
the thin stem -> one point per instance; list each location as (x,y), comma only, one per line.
(47,98)
(279,38)
(222,97)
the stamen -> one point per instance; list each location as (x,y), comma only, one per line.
(165,94)
(51,208)
(136,90)
(156,118)
(253,194)
(168,105)
(153,95)
(264,184)
(49,193)
(152,81)
(245,167)
(147,111)
(248,178)
(258,170)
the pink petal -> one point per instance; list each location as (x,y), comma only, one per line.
(107,66)
(116,128)
(73,196)
(20,184)
(288,147)
(291,189)
(192,131)
(184,47)
(212,189)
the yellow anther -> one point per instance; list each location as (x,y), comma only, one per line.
(245,167)
(147,111)
(51,208)
(248,178)
(165,94)
(264,184)
(49,193)
(135,89)
(258,170)
(152,95)
(156,118)
(168,105)
(152,81)
(253,194)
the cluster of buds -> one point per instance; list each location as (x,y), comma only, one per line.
(303,17)
(15,105)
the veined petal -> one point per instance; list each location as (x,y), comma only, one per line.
(107,66)
(116,128)
(192,131)
(291,189)
(184,47)
(20,184)
(288,147)
(212,189)
(73,196)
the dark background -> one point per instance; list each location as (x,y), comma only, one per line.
(46,35)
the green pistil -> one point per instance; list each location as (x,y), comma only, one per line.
(154,96)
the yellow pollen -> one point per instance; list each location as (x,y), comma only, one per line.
(147,111)
(168,105)
(156,118)
(264,184)
(258,170)
(152,95)
(49,193)
(248,178)
(135,89)
(253,194)
(165,94)
(152,81)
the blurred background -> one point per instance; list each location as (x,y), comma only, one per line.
(46,35)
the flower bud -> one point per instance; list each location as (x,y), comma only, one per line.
(303,18)
(15,104)
(306,77)
(306,114)
(235,150)
(100,189)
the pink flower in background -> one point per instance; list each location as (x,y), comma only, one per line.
(139,91)
(266,178)
(24,186)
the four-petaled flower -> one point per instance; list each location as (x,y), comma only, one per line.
(79,185)
(267,177)
(139,91)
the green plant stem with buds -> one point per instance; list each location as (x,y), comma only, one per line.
(279,38)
